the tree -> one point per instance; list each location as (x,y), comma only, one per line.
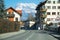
(1,8)
(30,17)
(39,14)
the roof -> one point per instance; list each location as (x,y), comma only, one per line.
(40,5)
(17,11)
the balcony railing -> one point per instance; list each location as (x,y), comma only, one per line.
(10,15)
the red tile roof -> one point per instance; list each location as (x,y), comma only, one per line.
(12,9)
(19,11)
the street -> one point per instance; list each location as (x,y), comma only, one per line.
(32,35)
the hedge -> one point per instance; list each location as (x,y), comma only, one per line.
(8,26)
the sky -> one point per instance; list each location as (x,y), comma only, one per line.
(13,3)
(27,6)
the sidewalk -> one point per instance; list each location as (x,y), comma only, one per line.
(6,35)
(56,35)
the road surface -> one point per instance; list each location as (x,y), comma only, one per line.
(32,35)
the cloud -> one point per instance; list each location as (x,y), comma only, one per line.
(27,7)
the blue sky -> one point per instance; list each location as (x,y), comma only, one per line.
(13,3)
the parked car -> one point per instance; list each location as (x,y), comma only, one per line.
(52,27)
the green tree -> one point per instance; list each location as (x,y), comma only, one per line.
(39,14)
(30,17)
(1,8)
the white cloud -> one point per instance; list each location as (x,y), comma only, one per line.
(27,7)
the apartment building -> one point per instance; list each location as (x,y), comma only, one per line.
(53,11)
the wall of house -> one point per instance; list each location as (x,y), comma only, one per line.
(56,10)
(11,19)
(16,16)
(10,11)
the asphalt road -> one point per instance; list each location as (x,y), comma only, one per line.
(32,35)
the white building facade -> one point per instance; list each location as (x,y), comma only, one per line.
(53,11)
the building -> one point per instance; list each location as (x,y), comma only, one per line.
(40,15)
(13,15)
(53,11)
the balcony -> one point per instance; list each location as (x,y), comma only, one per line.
(43,16)
(10,15)
(43,10)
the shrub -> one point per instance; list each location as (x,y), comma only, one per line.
(8,26)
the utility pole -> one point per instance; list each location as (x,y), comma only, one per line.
(39,19)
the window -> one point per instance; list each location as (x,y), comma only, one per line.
(53,13)
(57,19)
(49,7)
(48,13)
(53,2)
(51,19)
(9,12)
(16,19)
(48,1)
(58,7)
(58,13)
(53,7)
(48,19)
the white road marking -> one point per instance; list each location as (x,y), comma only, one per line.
(30,36)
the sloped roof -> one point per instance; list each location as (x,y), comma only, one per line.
(17,11)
